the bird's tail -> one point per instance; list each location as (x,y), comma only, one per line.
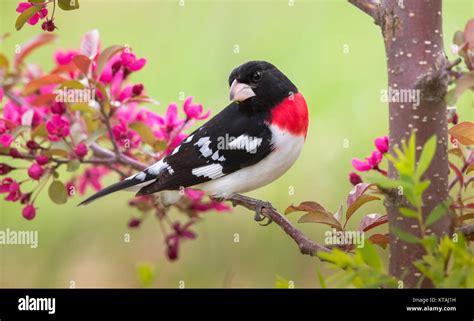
(123,185)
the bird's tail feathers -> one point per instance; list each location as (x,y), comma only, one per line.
(126,184)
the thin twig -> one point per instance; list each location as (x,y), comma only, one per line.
(370,7)
(305,245)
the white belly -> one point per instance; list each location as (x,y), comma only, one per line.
(287,149)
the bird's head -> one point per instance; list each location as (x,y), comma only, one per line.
(259,82)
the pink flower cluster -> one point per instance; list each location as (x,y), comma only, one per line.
(50,133)
(371,162)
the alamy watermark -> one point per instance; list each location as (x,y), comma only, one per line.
(74,95)
(12,237)
(394,95)
(335,237)
(243,142)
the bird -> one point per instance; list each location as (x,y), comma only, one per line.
(249,144)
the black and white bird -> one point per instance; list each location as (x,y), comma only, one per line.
(249,144)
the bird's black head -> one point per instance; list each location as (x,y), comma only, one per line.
(260,83)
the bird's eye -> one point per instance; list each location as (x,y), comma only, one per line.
(257,76)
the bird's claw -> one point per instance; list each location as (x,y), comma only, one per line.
(259,216)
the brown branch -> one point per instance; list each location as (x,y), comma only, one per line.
(467,230)
(305,245)
(370,7)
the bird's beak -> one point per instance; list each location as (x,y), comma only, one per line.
(240,91)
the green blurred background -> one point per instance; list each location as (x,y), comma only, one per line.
(191,49)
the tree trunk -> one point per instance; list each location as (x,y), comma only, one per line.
(416,62)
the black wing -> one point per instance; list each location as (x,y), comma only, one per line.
(233,139)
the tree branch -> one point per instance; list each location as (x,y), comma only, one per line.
(305,245)
(370,7)
(467,230)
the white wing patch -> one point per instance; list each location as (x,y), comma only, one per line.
(189,138)
(204,143)
(175,150)
(212,171)
(215,156)
(250,144)
(155,168)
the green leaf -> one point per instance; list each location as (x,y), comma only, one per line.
(36,1)
(57,192)
(145,132)
(408,212)
(370,256)
(427,154)
(27,14)
(68,4)
(322,282)
(281,282)
(405,236)
(146,275)
(437,212)
(73,165)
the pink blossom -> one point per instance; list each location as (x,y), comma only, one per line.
(194,194)
(81,150)
(5,168)
(64,57)
(3,127)
(57,127)
(130,61)
(14,113)
(193,111)
(180,233)
(1,94)
(35,171)
(126,137)
(136,90)
(58,108)
(372,162)
(381,143)
(70,188)
(354,178)
(42,159)
(134,222)
(91,178)
(6,140)
(12,187)
(29,212)
(41,14)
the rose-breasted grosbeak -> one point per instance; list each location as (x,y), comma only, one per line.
(249,144)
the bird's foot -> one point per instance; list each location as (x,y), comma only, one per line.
(260,215)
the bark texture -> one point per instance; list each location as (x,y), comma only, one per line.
(416,63)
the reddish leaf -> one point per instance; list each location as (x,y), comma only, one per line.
(469,168)
(36,84)
(321,217)
(31,45)
(469,181)
(463,132)
(458,173)
(465,217)
(82,63)
(469,33)
(356,198)
(381,240)
(90,44)
(106,55)
(457,152)
(306,207)
(43,100)
(371,221)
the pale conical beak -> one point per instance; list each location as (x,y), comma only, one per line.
(240,91)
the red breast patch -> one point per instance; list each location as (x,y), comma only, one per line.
(291,115)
